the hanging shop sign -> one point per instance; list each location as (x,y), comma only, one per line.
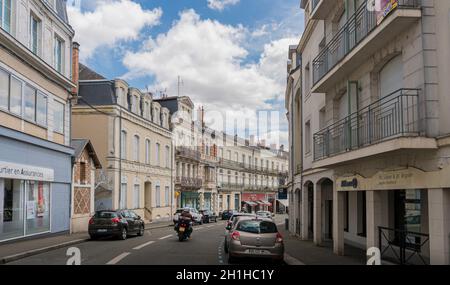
(25,172)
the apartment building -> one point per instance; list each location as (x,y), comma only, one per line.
(131,135)
(249,175)
(36,88)
(196,155)
(375,128)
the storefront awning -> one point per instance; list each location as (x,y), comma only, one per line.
(252,204)
(284,202)
(264,203)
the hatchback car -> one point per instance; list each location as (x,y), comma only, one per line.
(255,238)
(118,224)
(208,216)
(226,215)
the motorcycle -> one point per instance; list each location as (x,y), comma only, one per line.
(183,229)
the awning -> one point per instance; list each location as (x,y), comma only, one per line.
(284,202)
(251,204)
(264,203)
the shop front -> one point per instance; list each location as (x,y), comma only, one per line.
(190,200)
(399,212)
(34,187)
(207,201)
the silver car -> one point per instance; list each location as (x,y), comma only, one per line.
(255,237)
(265,214)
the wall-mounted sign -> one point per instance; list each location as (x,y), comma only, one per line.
(353,183)
(25,172)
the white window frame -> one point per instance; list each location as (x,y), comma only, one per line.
(55,103)
(136,146)
(123,138)
(38,34)
(58,40)
(148,151)
(136,196)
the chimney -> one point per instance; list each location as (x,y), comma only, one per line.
(75,67)
(263,143)
(201,116)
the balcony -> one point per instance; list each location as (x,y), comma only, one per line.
(363,34)
(227,163)
(188,153)
(389,124)
(189,183)
(231,186)
(321,8)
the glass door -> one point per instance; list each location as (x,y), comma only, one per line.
(11,209)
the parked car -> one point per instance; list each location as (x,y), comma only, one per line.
(208,216)
(231,225)
(195,215)
(118,224)
(226,215)
(265,214)
(255,238)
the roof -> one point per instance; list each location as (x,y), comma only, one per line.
(97,93)
(61,10)
(88,74)
(80,145)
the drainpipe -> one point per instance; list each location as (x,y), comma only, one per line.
(120,156)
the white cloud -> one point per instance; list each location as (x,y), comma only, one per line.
(209,58)
(220,5)
(110,23)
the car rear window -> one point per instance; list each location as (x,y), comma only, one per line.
(106,215)
(256,227)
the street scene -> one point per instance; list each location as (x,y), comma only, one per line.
(224,132)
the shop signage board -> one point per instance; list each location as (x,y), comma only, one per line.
(25,172)
(387,6)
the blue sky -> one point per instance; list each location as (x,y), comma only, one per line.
(230,54)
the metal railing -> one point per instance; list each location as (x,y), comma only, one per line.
(395,115)
(356,29)
(189,182)
(403,246)
(187,152)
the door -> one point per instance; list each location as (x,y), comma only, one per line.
(130,220)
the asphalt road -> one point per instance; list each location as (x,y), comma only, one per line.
(156,247)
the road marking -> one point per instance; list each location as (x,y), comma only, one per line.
(161,238)
(143,245)
(117,259)
(292,260)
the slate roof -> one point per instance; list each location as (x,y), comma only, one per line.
(80,144)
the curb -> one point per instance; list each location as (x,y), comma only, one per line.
(289,260)
(11,258)
(147,228)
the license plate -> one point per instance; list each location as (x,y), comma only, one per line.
(182,229)
(102,231)
(257,251)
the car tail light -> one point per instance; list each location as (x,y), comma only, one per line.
(236,236)
(91,221)
(279,238)
(115,220)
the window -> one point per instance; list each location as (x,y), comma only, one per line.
(308,137)
(30,103)
(6,15)
(136,148)
(123,145)
(243,159)
(307,79)
(58,117)
(147,110)
(136,196)
(167,157)
(158,163)
(82,173)
(59,54)
(123,196)
(158,196)
(35,34)
(167,196)
(15,98)
(147,151)
(41,109)
(4,90)
(236,202)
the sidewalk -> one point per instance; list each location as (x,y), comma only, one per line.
(305,252)
(14,250)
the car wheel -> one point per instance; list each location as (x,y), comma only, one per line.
(124,234)
(141,231)
(93,237)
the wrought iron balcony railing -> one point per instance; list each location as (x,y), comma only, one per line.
(395,115)
(187,152)
(189,182)
(356,29)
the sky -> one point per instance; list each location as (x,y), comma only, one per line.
(230,55)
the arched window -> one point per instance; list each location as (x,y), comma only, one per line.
(157,154)
(147,151)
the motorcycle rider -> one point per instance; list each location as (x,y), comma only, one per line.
(186,217)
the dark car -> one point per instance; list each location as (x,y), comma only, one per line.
(208,216)
(226,215)
(120,224)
